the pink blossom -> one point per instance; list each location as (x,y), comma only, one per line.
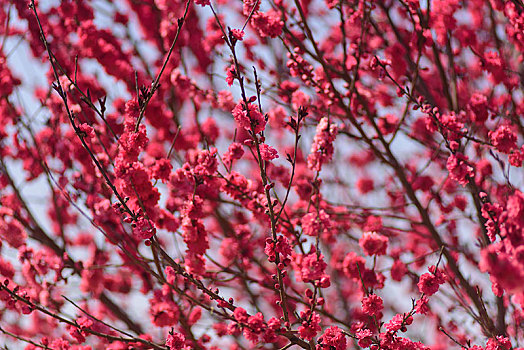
(308,330)
(175,341)
(334,338)
(311,267)
(459,169)
(504,139)
(429,283)
(238,34)
(322,148)
(250,119)
(373,244)
(231,74)
(314,224)
(268,153)
(87,130)
(372,305)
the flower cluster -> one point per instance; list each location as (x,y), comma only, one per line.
(322,148)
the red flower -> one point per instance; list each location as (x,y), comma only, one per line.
(268,153)
(364,185)
(504,139)
(333,338)
(429,283)
(175,341)
(422,305)
(314,224)
(87,130)
(322,147)
(308,330)
(311,267)
(458,168)
(373,244)
(238,34)
(231,74)
(372,305)
(250,119)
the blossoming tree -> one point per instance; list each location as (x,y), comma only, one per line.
(265,174)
